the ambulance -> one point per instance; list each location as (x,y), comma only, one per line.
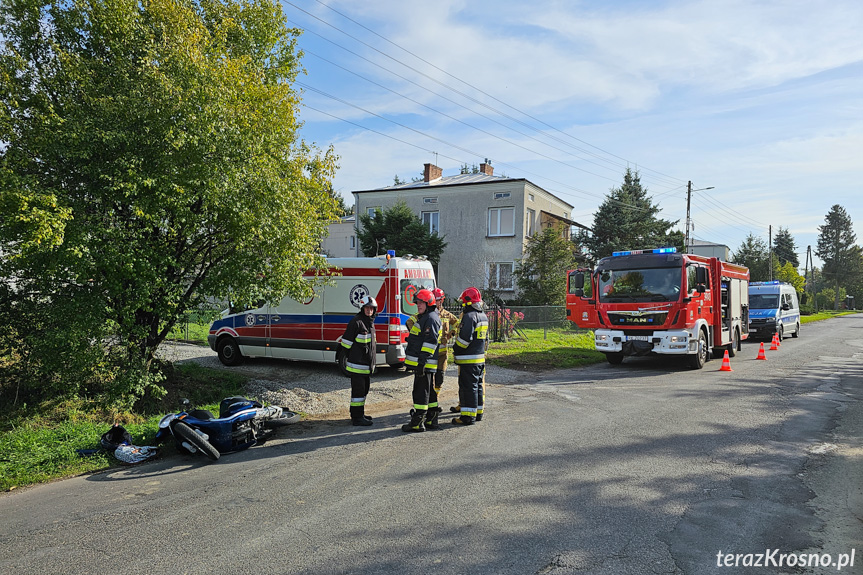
(312,330)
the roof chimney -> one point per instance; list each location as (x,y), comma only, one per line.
(431,173)
(486,168)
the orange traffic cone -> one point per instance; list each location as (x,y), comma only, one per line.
(774,345)
(726,363)
(761,352)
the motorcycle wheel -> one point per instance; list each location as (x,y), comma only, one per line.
(185,433)
(286,418)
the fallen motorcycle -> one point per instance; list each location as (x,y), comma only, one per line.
(242,423)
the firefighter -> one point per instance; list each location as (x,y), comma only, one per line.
(359,343)
(469,352)
(421,357)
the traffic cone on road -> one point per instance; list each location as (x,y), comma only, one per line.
(726,363)
(761,352)
(774,345)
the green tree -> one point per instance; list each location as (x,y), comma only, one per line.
(541,274)
(398,228)
(788,273)
(784,248)
(150,158)
(835,243)
(753,254)
(627,219)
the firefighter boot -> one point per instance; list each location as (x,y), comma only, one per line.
(358,417)
(456,409)
(463,420)
(416,423)
(431,418)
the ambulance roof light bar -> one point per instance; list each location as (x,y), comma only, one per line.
(654,251)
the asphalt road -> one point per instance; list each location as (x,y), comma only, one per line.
(647,467)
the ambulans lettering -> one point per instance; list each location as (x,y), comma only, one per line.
(418,273)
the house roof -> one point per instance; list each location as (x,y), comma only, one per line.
(457,180)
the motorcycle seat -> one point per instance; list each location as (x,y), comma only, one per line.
(202,414)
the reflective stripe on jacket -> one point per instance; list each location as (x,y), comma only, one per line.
(423,341)
(359,343)
(472,338)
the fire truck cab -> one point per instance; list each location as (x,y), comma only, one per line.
(643,302)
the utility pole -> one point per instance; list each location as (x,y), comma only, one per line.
(687,240)
(770,251)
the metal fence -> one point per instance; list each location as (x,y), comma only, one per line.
(510,321)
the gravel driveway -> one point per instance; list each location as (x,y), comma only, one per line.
(318,389)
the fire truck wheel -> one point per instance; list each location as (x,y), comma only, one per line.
(735,344)
(614,358)
(698,360)
(229,352)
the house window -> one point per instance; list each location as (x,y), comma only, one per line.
(499,276)
(372,211)
(353,242)
(432,220)
(530,218)
(501,222)
(502,195)
(429,200)
(530,197)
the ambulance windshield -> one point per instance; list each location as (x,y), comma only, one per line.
(642,285)
(408,288)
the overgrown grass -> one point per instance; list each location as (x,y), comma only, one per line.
(39,444)
(826,314)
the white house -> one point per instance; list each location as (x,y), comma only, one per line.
(483,218)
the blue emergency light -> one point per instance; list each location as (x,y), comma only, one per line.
(768,283)
(654,251)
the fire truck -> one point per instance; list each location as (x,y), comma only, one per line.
(644,302)
(312,330)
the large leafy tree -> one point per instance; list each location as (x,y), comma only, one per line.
(628,219)
(541,274)
(754,254)
(835,248)
(784,248)
(398,228)
(149,158)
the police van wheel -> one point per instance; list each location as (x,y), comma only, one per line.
(796,331)
(229,352)
(780,333)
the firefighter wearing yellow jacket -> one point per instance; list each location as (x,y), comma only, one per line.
(469,354)
(359,343)
(421,357)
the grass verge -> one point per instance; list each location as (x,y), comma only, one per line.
(541,350)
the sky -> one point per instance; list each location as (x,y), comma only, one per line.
(762,101)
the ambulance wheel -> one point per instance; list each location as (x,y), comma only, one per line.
(229,352)
(698,360)
(796,331)
(614,358)
(342,359)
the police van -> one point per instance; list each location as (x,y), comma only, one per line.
(312,330)
(773,308)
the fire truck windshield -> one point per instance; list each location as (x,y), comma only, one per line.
(650,284)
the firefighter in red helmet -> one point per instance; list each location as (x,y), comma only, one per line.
(358,342)
(421,356)
(469,352)
(449,327)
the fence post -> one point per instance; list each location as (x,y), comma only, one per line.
(545,322)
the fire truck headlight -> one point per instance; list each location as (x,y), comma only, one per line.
(677,338)
(601,337)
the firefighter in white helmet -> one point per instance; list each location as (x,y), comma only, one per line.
(359,343)
(469,352)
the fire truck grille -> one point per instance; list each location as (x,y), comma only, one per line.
(656,319)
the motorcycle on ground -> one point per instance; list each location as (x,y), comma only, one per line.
(242,423)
